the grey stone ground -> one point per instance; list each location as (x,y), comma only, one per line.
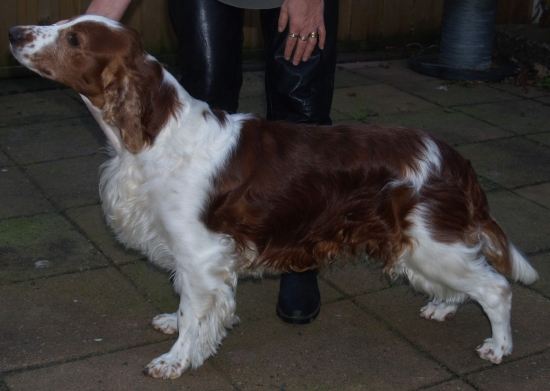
(75,306)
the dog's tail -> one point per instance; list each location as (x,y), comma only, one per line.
(504,256)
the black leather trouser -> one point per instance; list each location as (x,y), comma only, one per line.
(210,36)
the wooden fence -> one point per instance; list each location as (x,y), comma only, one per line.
(363,24)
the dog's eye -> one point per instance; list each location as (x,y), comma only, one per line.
(73,39)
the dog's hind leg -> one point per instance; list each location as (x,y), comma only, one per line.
(496,300)
(452,273)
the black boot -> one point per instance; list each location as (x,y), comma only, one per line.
(299,298)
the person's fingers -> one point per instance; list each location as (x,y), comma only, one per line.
(291,41)
(62,21)
(322,36)
(283,20)
(300,49)
(311,43)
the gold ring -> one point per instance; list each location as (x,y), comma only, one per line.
(313,35)
(293,35)
(303,38)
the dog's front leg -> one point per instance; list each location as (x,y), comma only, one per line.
(206,311)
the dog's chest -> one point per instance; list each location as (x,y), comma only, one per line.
(148,207)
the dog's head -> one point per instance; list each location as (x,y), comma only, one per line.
(104,61)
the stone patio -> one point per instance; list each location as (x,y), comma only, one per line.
(75,306)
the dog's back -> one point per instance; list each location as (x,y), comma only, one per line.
(301,195)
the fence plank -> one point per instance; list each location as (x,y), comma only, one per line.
(133,16)
(366,20)
(27,12)
(255,27)
(397,18)
(427,17)
(344,19)
(151,17)
(68,9)
(361,22)
(48,11)
(514,11)
(8,18)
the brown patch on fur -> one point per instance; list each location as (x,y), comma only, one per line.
(216,114)
(305,194)
(302,195)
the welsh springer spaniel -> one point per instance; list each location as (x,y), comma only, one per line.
(210,196)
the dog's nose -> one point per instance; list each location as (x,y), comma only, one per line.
(15,34)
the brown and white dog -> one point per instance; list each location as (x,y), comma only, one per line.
(210,196)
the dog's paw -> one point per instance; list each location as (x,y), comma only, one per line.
(492,351)
(166,323)
(438,311)
(167,366)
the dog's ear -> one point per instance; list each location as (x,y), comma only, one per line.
(138,101)
(123,107)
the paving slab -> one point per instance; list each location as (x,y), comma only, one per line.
(28,84)
(448,94)
(523,91)
(449,125)
(545,100)
(396,73)
(118,371)
(541,263)
(344,349)
(338,117)
(344,78)
(71,182)
(529,374)
(4,161)
(19,196)
(453,385)
(453,342)
(41,246)
(538,193)
(253,104)
(354,277)
(526,223)
(70,316)
(253,84)
(542,138)
(92,222)
(40,107)
(347,121)
(487,185)
(518,116)
(153,284)
(37,142)
(510,162)
(377,99)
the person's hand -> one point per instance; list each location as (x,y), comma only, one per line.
(306,27)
